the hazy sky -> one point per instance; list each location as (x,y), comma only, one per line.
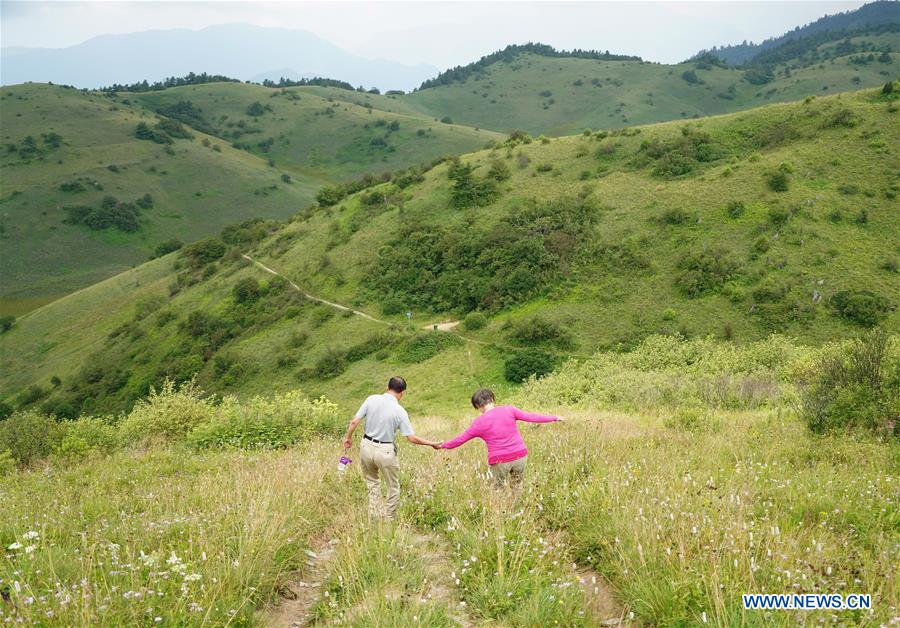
(439,33)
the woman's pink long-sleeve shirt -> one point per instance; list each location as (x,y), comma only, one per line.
(497,428)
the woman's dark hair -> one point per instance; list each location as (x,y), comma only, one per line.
(397,384)
(482,397)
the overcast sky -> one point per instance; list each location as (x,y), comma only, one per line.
(439,33)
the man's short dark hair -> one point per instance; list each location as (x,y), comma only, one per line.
(483,397)
(397,384)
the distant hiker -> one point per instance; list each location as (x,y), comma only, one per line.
(496,426)
(383,415)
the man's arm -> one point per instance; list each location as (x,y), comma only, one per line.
(348,437)
(415,440)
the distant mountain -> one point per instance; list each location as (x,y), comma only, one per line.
(240,50)
(882,12)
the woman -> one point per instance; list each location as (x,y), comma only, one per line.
(496,426)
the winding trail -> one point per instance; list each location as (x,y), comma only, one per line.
(449,326)
(313,297)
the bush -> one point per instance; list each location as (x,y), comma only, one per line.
(246,290)
(204,251)
(29,436)
(676,216)
(861,306)
(425,345)
(168,414)
(526,363)
(735,209)
(778,181)
(331,364)
(371,345)
(169,246)
(87,436)
(778,216)
(693,420)
(856,385)
(475,321)
(538,330)
(705,271)
(6,322)
(267,423)
(392,306)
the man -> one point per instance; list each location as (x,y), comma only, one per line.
(383,415)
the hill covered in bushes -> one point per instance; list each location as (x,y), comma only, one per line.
(776,220)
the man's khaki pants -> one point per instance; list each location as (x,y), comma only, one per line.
(380,458)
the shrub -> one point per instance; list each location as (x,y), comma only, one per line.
(537,330)
(86,437)
(392,306)
(675,216)
(331,364)
(255,109)
(169,246)
(691,77)
(693,420)
(246,290)
(856,385)
(778,181)
(475,321)
(498,171)
(286,178)
(266,423)
(370,345)
(705,271)
(523,364)
(447,120)
(426,345)
(735,209)
(861,306)
(6,322)
(168,414)
(204,251)
(29,436)
(778,216)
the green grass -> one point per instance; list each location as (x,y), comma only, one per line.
(509,96)
(603,300)
(204,185)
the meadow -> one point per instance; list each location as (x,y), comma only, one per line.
(648,510)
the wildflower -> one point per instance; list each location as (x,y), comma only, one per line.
(31,534)
(30,549)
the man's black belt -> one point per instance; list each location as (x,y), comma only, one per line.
(375,440)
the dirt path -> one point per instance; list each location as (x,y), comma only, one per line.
(439,583)
(300,595)
(312,297)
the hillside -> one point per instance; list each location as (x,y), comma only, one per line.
(221,166)
(559,95)
(317,132)
(779,219)
(879,13)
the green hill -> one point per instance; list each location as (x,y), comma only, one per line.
(558,95)
(779,219)
(65,148)
(330,134)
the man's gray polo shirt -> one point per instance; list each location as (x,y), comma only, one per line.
(384,415)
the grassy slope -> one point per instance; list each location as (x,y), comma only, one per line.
(311,141)
(508,95)
(602,306)
(196,191)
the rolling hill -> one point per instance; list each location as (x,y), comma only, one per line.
(778,219)
(264,166)
(535,89)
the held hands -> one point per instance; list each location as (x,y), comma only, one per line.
(437,446)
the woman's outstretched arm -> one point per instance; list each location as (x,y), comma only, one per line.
(533,417)
(465,437)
